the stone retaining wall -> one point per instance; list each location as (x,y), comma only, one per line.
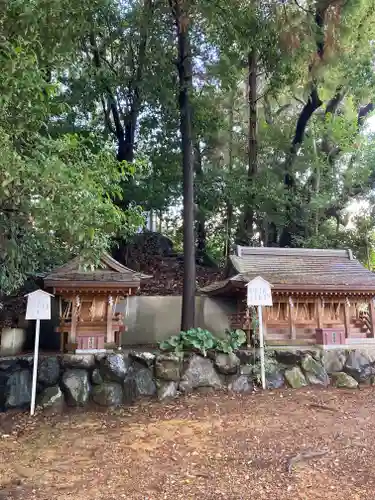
(117,378)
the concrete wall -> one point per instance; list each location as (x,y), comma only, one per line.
(152,319)
(12,341)
(149,321)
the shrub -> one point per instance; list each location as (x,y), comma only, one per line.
(203,341)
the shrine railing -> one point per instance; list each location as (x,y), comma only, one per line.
(239,320)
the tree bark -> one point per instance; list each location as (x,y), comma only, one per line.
(184,63)
(200,223)
(229,204)
(246,232)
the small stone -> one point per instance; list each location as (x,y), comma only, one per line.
(115,367)
(130,390)
(18,389)
(359,366)
(145,384)
(76,386)
(51,397)
(84,361)
(343,380)
(242,384)
(48,371)
(168,367)
(13,363)
(274,379)
(227,364)
(200,372)
(96,378)
(288,358)
(144,358)
(295,378)
(333,360)
(246,370)
(314,371)
(108,394)
(166,390)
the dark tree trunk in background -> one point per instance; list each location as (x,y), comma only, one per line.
(180,15)
(200,222)
(246,232)
(229,204)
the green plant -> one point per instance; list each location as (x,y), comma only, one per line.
(234,340)
(203,340)
(195,338)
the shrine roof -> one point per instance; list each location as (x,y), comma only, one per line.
(109,272)
(297,269)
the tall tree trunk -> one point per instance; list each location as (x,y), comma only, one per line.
(246,232)
(200,223)
(184,62)
(229,204)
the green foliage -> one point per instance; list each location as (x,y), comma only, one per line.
(202,341)
(55,193)
(233,340)
(58,174)
(49,210)
(194,339)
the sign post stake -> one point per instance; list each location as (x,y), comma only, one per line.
(259,294)
(38,307)
(35,367)
(261,348)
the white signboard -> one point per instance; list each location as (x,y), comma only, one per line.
(259,292)
(38,305)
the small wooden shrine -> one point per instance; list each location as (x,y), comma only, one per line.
(87,303)
(320,297)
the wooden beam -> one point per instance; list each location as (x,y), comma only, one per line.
(347,318)
(292,326)
(372,317)
(73,328)
(110,334)
(319,312)
(62,338)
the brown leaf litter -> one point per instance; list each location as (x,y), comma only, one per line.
(216,446)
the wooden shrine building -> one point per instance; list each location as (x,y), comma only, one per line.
(87,303)
(320,297)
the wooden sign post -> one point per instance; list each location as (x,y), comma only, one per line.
(259,294)
(38,307)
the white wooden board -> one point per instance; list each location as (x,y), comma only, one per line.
(259,292)
(38,305)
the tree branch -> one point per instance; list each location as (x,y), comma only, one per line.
(302,8)
(363,112)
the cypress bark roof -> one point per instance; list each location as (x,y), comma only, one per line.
(298,269)
(109,272)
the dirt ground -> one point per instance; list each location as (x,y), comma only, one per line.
(212,446)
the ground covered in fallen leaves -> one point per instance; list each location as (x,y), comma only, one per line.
(214,446)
